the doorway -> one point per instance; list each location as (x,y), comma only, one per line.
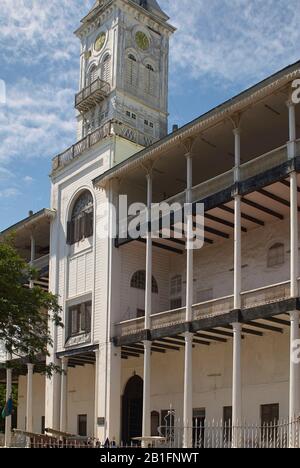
(132,409)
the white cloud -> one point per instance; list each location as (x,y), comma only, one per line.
(218,43)
(28,179)
(236,41)
(5,174)
(9,193)
(38,120)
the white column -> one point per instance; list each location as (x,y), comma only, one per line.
(237,253)
(188,392)
(148,292)
(294,407)
(237,224)
(188,361)
(236,384)
(64,395)
(292,130)
(237,153)
(29,398)
(32,256)
(7,442)
(147,390)
(148,311)
(294,392)
(97,354)
(189,248)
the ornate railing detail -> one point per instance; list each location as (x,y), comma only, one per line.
(91,95)
(216,307)
(108,129)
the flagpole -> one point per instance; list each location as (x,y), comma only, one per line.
(8,396)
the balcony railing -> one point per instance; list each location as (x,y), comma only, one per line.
(216,307)
(91,95)
(264,163)
(108,129)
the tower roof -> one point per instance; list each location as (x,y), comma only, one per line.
(150,5)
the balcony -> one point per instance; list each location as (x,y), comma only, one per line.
(110,128)
(91,95)
(267,295)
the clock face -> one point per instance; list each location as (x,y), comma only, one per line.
(100,41)
(142,40)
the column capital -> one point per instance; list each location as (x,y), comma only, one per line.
(237,327)
(295,315)
(147,344)
(188,155)
(189,336)
(64,361)
(237,131)
(30,366)
(290,103)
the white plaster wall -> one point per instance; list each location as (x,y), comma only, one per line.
(81,396)
(213,268)
(38,392)
(265,362)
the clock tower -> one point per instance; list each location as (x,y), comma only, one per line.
(124,70)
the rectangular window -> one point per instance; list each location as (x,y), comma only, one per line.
(227,421)
(199,415)
(82,425)
(79,319)
(133,116)
(43,425)
(269,422)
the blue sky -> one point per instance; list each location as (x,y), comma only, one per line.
(221,47)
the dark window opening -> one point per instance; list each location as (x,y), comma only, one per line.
(138,281)
(81,225)
(227,420)
(82,425)
(79,319)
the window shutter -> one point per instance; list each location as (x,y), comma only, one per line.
(106,68)
(89,220)
(69,232)
(82,326)
(74,318)
(76,230)
(88,316)
(82,227)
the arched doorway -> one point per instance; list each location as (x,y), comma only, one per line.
(132,409)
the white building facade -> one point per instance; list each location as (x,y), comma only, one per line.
(149,324)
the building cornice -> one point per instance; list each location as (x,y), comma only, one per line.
(222,112)
(28,222)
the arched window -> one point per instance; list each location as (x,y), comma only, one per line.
(138,281)
(131,70)
(92,74)
(81,224)
(149,80)
(106,68)
(276,255)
